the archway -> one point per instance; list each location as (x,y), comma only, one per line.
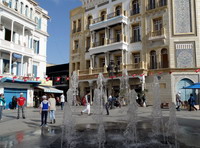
(185,93)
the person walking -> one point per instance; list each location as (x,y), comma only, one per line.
(21,101)
(52,102)
(2,103)
(44,108)
(87,109)
(191,102)
(178,101)
(62,100)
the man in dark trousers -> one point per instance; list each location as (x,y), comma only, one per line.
(21,101)
(191,102)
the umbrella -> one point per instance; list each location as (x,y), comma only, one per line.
(193,86)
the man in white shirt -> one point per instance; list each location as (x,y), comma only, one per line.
(62,100)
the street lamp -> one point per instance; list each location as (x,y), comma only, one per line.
(113,70)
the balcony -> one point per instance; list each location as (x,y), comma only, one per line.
(161,3)
(12,47)
(157,34)
(79,29)
(75,51)
(134,66)
(111,45)
(134,12)
(111,19)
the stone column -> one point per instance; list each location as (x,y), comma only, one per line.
(122,34)
(22,65)
(23,33)
(12,27)
(122,64)
(106,37)
(10,64)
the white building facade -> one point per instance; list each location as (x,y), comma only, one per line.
(23,43)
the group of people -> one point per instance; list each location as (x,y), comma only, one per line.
(191,102)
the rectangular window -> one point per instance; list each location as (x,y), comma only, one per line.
(136,58)
(19,65)
(152,4)
(78,66)
(74,26)
(136,33)
(36,46)
(101,62)
(35,70)
(79,25)
(157,27)
(6,66)
(7,35)
(76,42)
(31,13)
(88,44)
(10,3)
(16,5)
(26,11)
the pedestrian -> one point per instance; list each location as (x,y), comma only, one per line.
(21,101)
(178,101)
(191,102)
(2,103)
(107,108)
(144,100)
(52,102)
(62,100)
(87,109)
(44,108)
(14,102)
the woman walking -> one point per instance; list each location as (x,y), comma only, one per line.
(52,102)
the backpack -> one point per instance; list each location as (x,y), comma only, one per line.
(45,106)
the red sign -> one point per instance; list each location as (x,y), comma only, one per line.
(134,75)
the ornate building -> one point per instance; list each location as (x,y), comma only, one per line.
(23,39)
(146,37)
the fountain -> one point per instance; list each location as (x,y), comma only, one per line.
(137,132)
(172,126)
(98,112)
(69,136)
(157,125)
(130,133)
(124,86)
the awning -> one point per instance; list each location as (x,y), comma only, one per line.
(193,86)
(8,79)
(48,89)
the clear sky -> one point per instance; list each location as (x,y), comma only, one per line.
(58,44)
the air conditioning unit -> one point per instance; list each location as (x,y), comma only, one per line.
(1,27)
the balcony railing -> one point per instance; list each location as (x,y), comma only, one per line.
(84,72)
(134,12)
(108,16)
(161,3)
(75,51)
(79,29)
(74,31)
(96,44)
(98,70)
(133,66)
(157,33)
(135,39)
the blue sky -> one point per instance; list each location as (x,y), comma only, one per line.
(58,44)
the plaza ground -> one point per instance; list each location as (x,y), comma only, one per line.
(17,133)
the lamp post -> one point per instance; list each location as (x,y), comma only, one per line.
(113,70)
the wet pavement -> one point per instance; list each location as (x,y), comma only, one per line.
(27,133)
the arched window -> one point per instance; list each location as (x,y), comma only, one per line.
(153,61)
(26,10)
(103,15)
(89,20)
(118,10)
(135,7)
(164,58)
(21,8)
(16,5)
(31,13)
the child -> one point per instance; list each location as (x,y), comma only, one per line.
(44,108)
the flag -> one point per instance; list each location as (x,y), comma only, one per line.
(1,77)
(25,79)
(14,79)
(134,75)
(47,78)
(57,79)
(37,78)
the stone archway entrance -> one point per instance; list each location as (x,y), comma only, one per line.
(185,93)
